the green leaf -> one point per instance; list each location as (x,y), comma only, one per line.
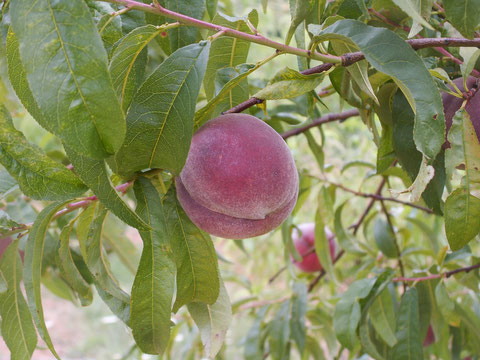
(358,70)
(83,226)
(409,345)
(253,341)
(69,270)
(94,174)
(346,241)
(33,269)
(213,321)
(185,35)
(410,8)
(299,10)
(211,6)
(18,77)
(197,268)
(297,319)
(287,84)
(110,29)
(153,288)
(364,330)
(279,333)
(76,99)
(464,148)
(348,312)
(6,223)
(124,59)
(39,176)
(218,104)
(470,57)
(322,246)
(316,149)
(160,118)
(410,158)
(385,238)
(463,15)
(7,184)
(389,53)
(382,315)
(227,51)
(97,264)
(462,218)
(17,327)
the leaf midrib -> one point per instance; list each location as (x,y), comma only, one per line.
(168,112)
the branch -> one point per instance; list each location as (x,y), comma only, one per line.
(69,208)
(446,274)
(255,38)
(322,120)
(379,197)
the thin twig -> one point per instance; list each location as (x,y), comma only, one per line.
(84,202)
(322,120)
(379,197)
(446,274)
(255,38)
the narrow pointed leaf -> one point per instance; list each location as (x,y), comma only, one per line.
(409,345)
(76,98)
(122,64)
(18,77)
(279,334)
(392,56)
(153,288)
(97,262)
(197,271)
(94,174)
(462,218)
(160,118)
(463,15)
(17,327)
(297,320)
(38,176)
(34,252)
(227,51)
(185,35)
(408,6)
(213,321)
(69,270)
(287,84)
(382,315)
(253,342)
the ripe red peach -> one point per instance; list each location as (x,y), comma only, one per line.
(239,179)
(305,245)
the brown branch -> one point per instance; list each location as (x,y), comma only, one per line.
(84,202)
(379,197)
(446,274)
(255,38)
(322,120)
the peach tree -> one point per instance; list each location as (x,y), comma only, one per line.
(121,116)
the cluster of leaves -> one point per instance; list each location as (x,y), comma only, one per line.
(122,91)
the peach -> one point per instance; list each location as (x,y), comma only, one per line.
(305,245)
(451,104)
(239,179)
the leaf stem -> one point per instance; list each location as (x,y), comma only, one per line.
(255,38)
